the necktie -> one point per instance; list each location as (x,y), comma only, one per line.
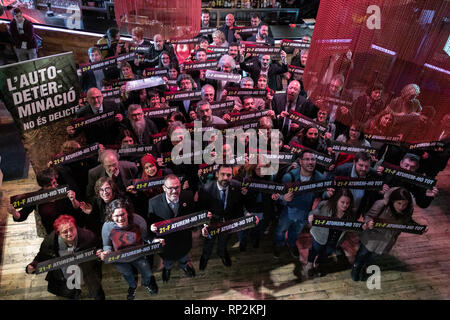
(287,121)
(222,197)
(173,206)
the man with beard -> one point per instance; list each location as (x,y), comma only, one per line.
(104,132)
(122,172)
(284,102)
(158,47)
(360,168)
(233,51)
(172,203)
(226,203)
(296,207)
(185,83)
(265,67)
(339,114)
(139,128)
(410,162)
(309,137)
(263,35)
(227,28)
(204,113)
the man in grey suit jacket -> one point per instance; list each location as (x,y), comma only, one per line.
(122,172)
(168,205)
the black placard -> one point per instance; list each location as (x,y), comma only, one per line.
(133,253)
(181,223)
(231,91)
(409,176)
(76,155)
(355,183)
(321,158)
(150,72)
(38,197)
(64,261)
(263,186)
(222,76)
(232,226)
(158,112)
(135,150)
(336,223)
(300,187)
(212,65)
(94,119)
(346,148)
(295,44)
(304,120)
(247,116)
(106,63)
(295,69)
(183,95)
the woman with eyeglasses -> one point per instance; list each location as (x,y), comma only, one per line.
(354,136)
(105,192)
(322,119)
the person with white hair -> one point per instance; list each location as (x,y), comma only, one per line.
(137,126)
(122,172)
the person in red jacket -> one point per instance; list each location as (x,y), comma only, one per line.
(22,34)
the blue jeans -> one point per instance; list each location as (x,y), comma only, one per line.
(363,257)
(182,262)
(143,267)
(320,251)
(293,227)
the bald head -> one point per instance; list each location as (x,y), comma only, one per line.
(95,98)
(159,42)
(229,20)
(293,90)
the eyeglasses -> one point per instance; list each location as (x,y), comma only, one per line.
(105,190)
(172,188)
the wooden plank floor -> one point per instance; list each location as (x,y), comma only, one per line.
(417,268)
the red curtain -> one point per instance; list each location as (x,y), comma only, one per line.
(407,48)
(174,19)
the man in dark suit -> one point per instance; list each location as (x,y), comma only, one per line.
(226,203)
(139,128)
(104,132)
(263,35)
(360,168)
(284,102)
(186,107)
(94,78)
(170,204)
(122,172)
(265,66)
(227,28)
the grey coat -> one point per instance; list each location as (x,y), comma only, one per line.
(381,241)
(318,233)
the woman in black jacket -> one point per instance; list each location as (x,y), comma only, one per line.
(67,238)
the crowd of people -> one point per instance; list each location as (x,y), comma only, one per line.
(104,209)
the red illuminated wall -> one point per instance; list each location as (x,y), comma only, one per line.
(408,48)
(175,19)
